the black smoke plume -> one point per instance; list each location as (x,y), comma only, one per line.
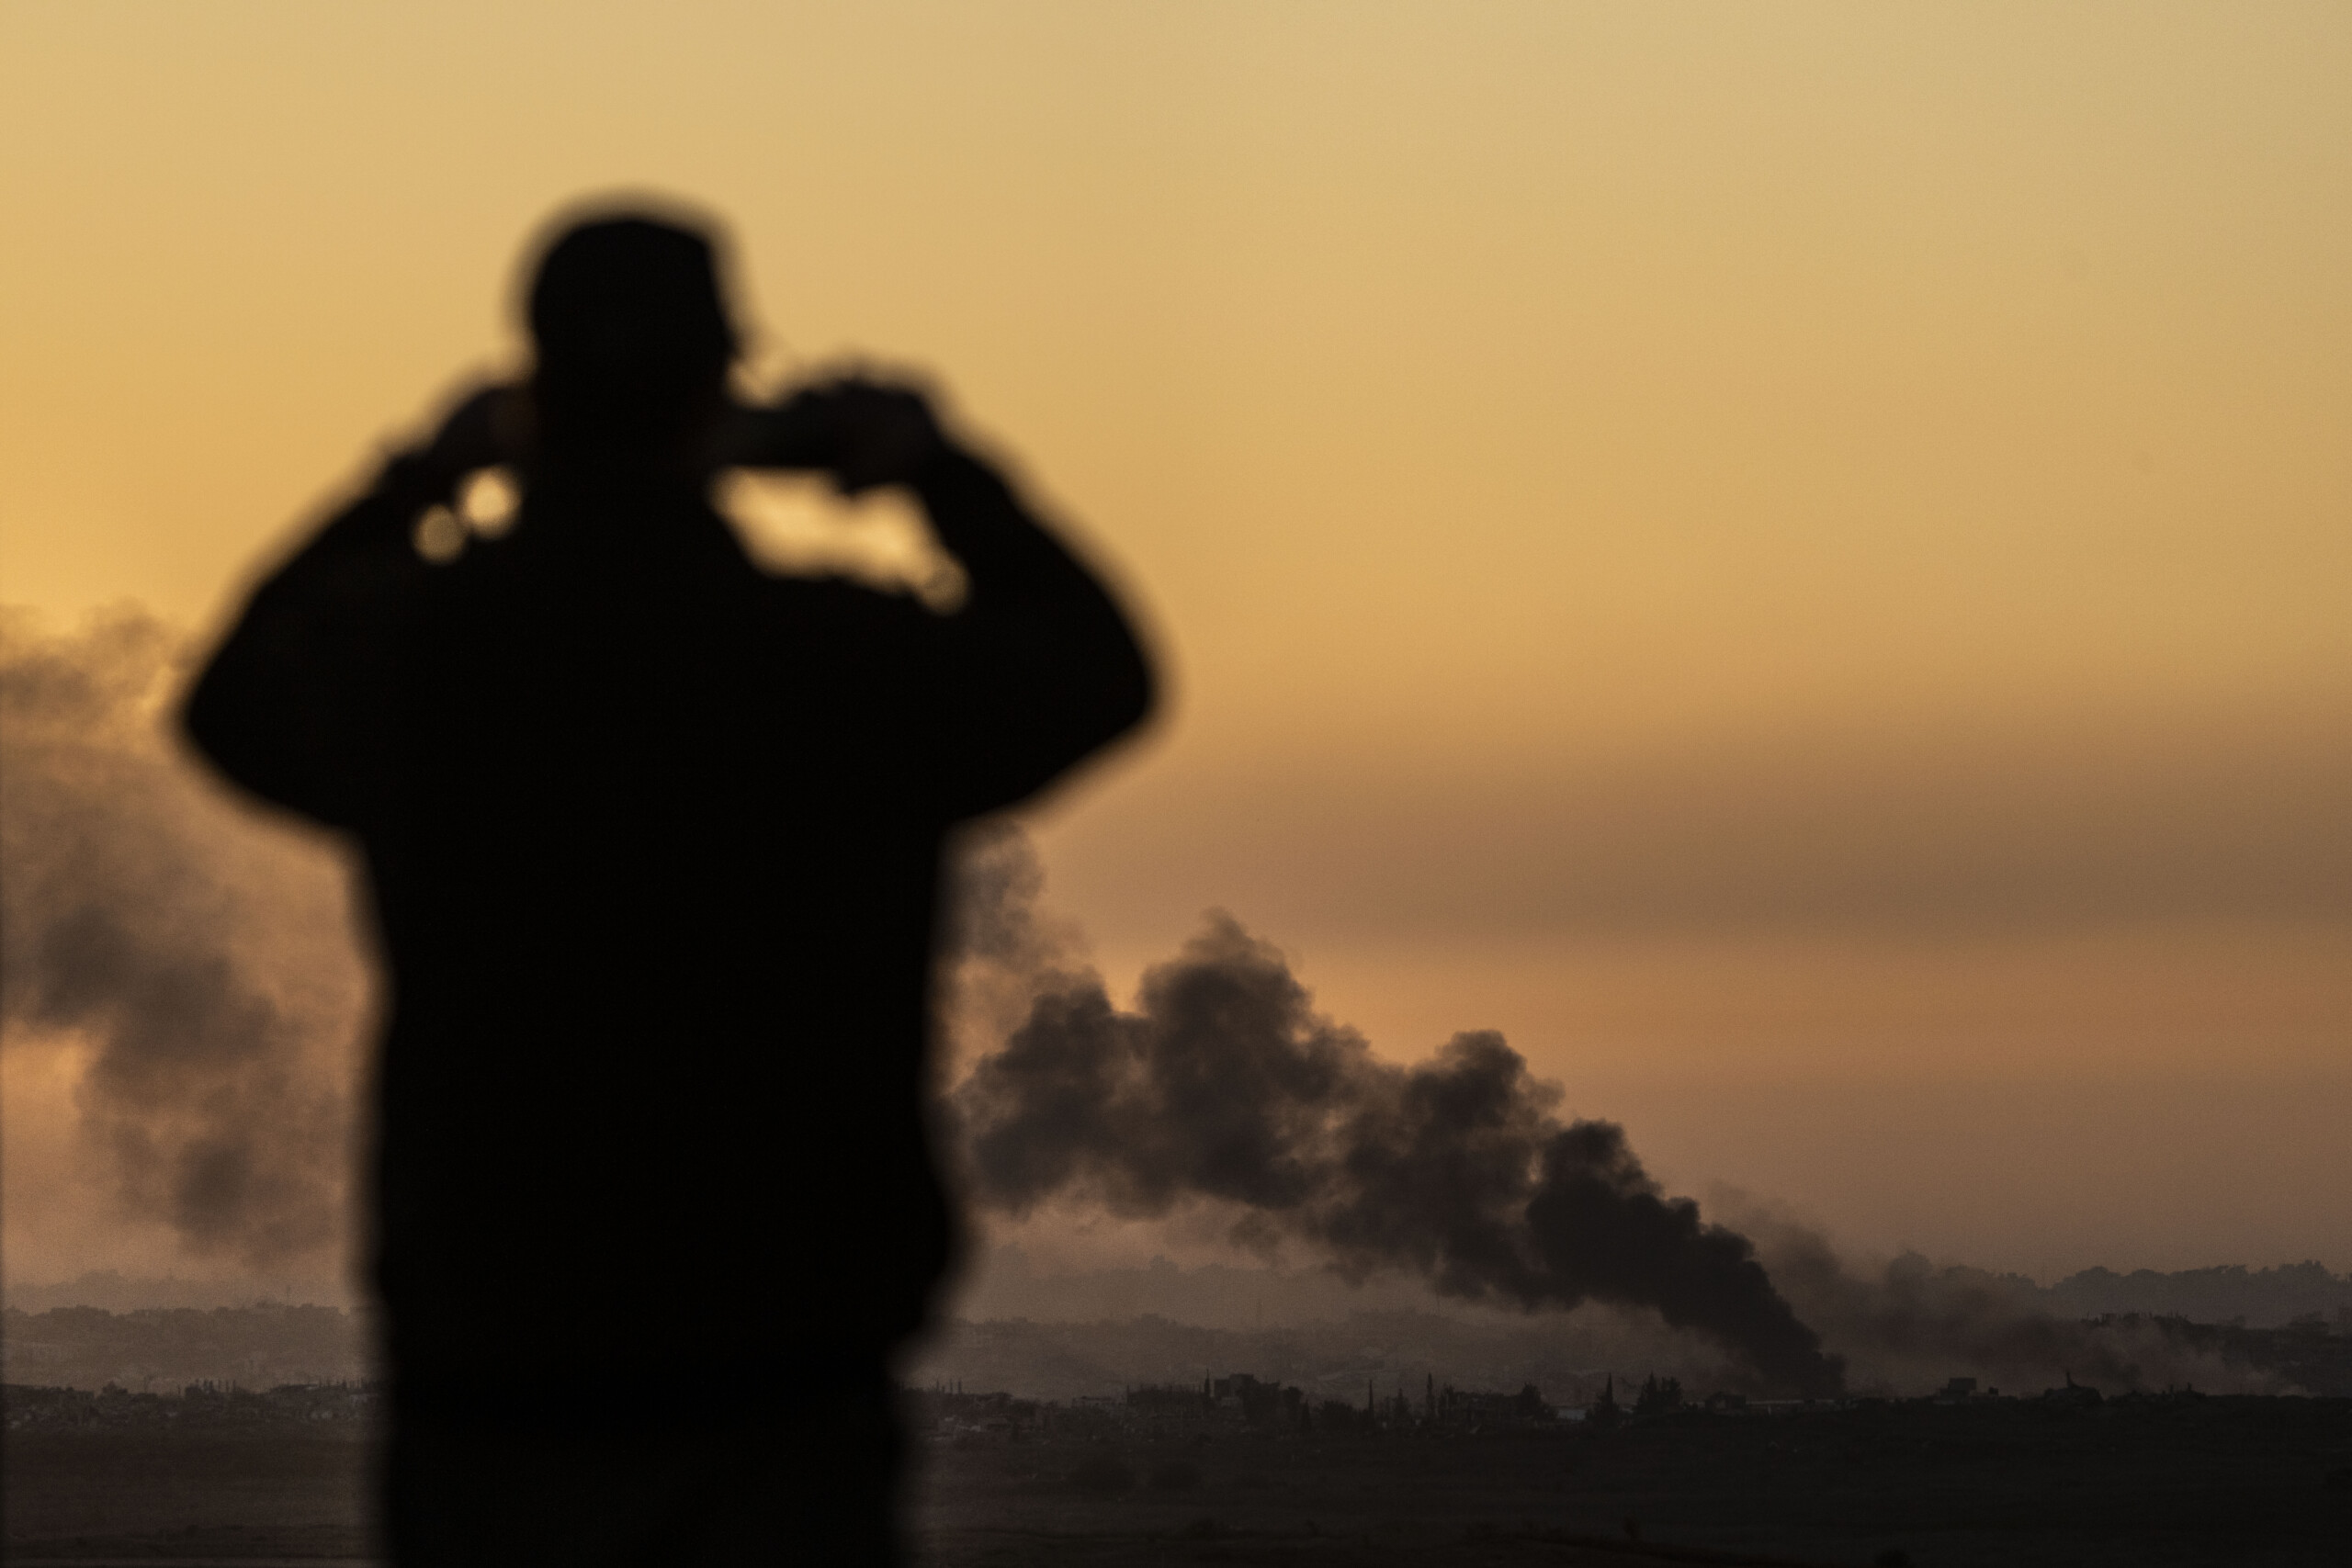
(1225,1087)
(205,967)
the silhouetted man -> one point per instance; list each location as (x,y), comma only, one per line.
(654,843)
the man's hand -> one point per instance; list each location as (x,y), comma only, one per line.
(865,432)
(881,434)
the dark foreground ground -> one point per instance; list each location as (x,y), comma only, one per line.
(2139,1481)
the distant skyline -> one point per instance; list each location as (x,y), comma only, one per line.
(1797,561)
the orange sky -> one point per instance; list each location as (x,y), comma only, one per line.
(1793,559)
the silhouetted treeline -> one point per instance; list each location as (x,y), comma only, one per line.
(165,1350)
(1222,1296)
(319,1407)
(1570,1357)
(259,1348)
(1331,1359)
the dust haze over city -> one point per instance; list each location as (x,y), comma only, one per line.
(1759,777)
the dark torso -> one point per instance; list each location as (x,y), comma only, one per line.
(655,858)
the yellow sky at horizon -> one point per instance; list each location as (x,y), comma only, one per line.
(1722,534)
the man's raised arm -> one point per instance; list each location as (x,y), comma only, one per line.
(1042,667)
(292,702)
(1045,669)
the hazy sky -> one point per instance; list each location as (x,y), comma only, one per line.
(1796,560)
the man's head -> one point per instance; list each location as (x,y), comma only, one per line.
(633,339)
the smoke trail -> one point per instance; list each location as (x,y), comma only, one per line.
(1000,948)
(1907,1326)
(206,967)
(1226,1086)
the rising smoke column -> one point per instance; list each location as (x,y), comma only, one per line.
(1000,946)
(1225,1085)
(203,963)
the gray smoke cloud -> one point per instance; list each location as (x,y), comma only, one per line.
(203,963)
(1225,1087)
(1002,948)
(1907,1325)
